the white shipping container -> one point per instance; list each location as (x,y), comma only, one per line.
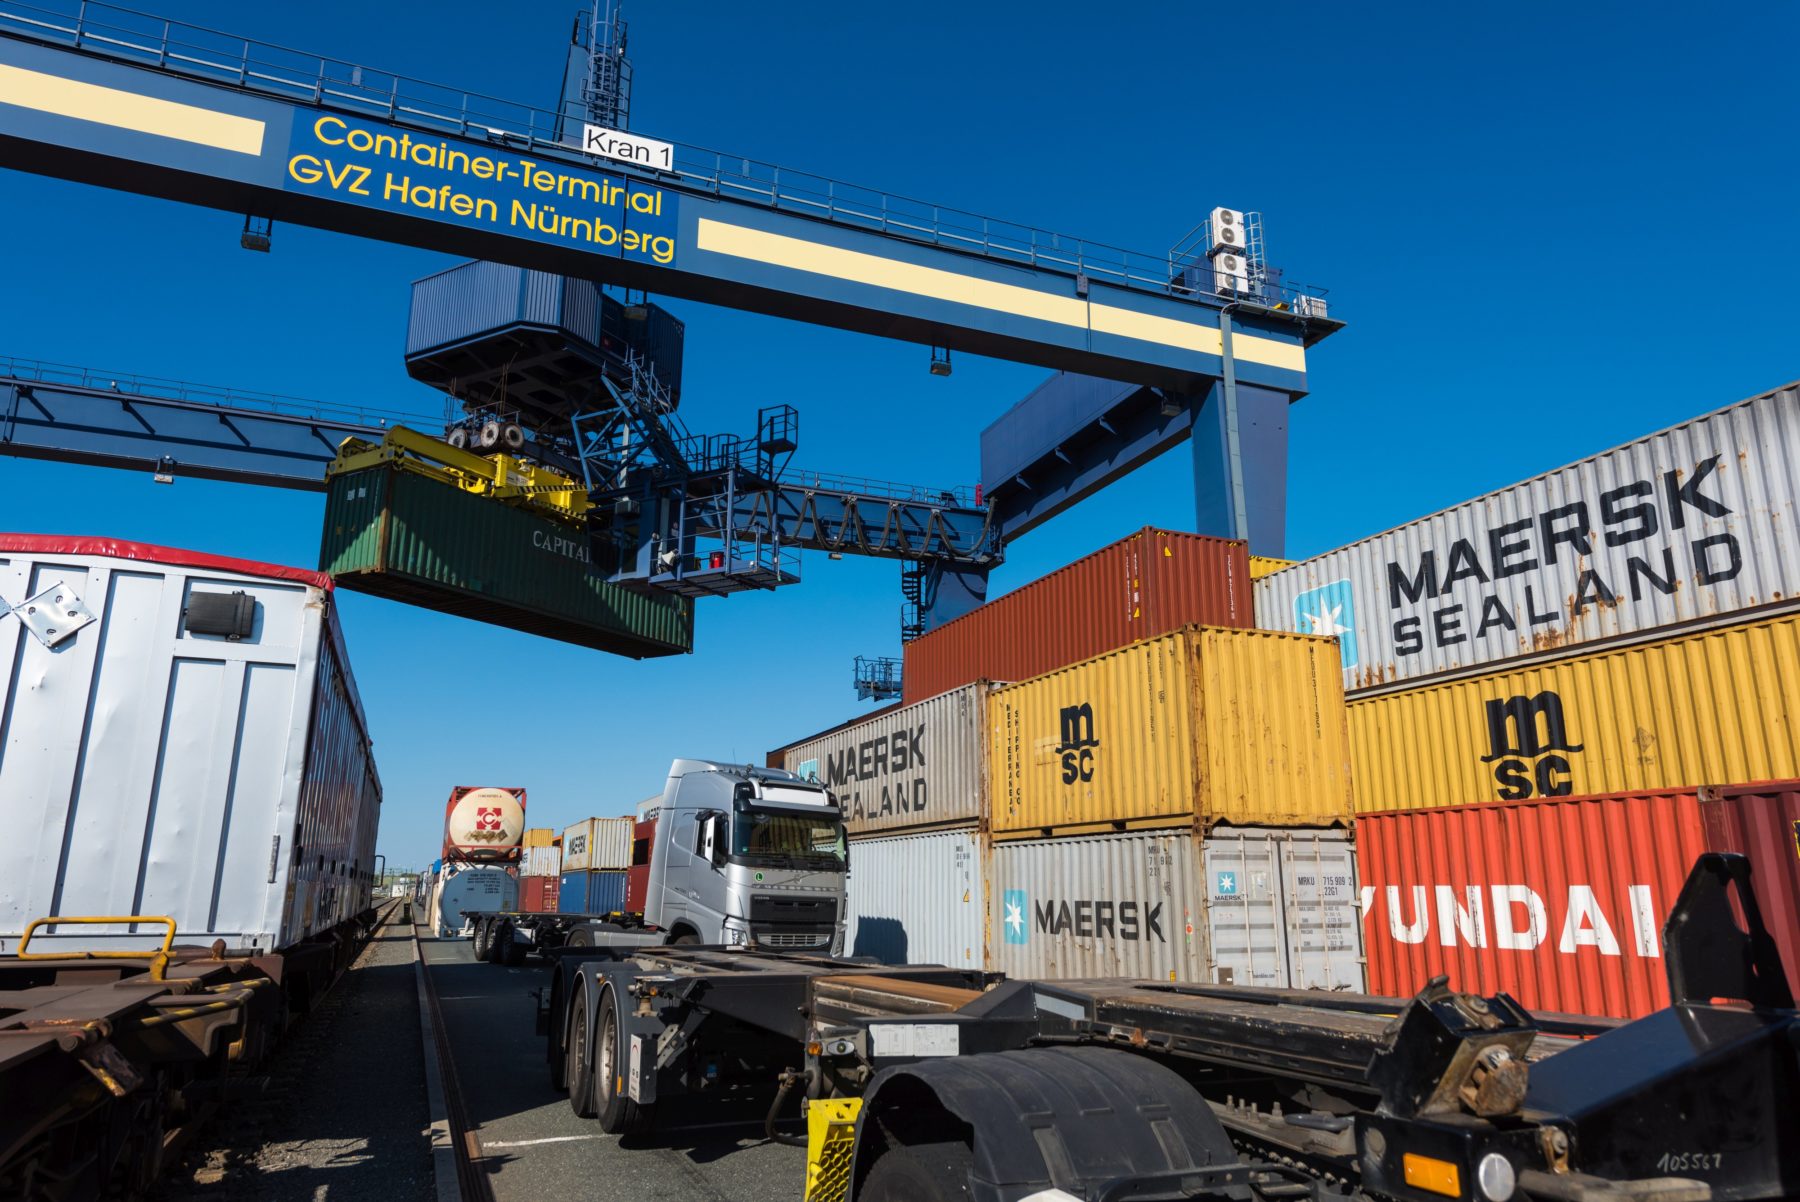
(919,766)
(1687,524)
(213,767)
(462,890)
(917,899)
(541,861)
(595,843)
(1248,906)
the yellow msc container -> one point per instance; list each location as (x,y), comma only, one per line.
(1718,706)
(542,836)
(1267,565)
(1202,726)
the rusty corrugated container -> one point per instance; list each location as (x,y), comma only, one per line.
(906,768)
(1247,906)
(538,894)
(1144,585)
(597,843)
(1202,726)
(1559,902)
(541,861)
(1675,713)
(918,898)
(1763,821)
(397,534)
(1687,524)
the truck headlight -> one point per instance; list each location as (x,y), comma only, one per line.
(736,936)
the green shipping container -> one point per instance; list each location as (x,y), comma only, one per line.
(404,536)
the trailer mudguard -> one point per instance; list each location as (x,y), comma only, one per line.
(1062,1117)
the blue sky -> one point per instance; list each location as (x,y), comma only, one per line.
(1551,228)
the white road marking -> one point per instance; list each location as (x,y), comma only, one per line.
(527,1143)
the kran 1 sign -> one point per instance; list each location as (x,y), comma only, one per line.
(628,148)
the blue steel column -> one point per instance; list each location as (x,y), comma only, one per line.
(1242,495)
(951,590)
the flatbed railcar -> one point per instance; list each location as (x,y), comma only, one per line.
(967,1085)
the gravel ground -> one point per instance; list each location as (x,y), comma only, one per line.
(343,1116)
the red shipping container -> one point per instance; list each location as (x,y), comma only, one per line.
(1142,586)
(1763,821)
(1561,901)
(538,894)
(637,877)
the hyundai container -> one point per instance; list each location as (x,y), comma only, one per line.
(1715,705)
(920,766)
(1198,727)
(1144,585)
(1246,906)
(1562,902)
(181,736)
(1683,526)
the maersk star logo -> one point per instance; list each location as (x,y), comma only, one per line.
(1015,919)
(1330,612)
(1227,884)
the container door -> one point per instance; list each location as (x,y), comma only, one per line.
(1243,883)
(1322,927)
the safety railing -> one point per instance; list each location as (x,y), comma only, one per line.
(132,384)
(195,51)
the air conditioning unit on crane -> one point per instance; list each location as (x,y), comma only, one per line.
(1231,273)
(1228,233)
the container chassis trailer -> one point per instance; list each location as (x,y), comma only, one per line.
(508,936)
(108,1058)
(925,1083)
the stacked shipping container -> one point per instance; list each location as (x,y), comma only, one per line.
(596,852)
(540,871)
(986,822)
(1144,585)
(1626,626)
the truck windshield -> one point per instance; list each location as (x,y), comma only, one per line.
(780,840)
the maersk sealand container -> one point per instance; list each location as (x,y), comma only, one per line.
(195,749)
(1692,524)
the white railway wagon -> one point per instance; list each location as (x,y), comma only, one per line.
(180,735)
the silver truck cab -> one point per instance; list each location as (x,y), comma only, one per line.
(748,856)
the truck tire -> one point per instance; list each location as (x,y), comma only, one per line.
(685,939)
(480,940)
(576,1070)
(920,1173)
(509,951)
(499,929)
(619,1115)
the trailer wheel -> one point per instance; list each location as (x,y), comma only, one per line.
(576,1071)
(480,939)
(920,1173)
(510,951)
(498,931)
(619,1115)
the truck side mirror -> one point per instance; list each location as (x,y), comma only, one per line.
(714,840)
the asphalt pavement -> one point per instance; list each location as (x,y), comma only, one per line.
(533,1147)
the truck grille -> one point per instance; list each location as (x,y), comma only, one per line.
(791,939)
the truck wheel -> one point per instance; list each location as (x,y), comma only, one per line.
(498,936)
(577,1073)
(510,951)
(920,1173)
(480,940)
(685,939)
(619,1115)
